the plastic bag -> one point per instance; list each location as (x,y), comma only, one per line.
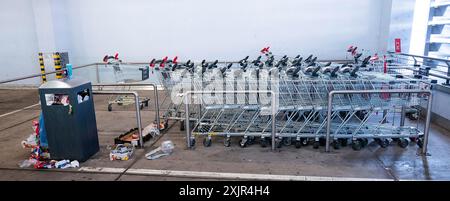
(42,133)
(165,149)
(27,163)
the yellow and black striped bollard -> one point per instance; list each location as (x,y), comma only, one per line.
(57,61)
(41,64)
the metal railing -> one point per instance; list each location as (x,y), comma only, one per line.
(425,67)
(155,93)
(138,110)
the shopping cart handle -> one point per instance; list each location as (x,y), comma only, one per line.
(335,70)
(152,63)
(353,71)
(204,64)
(203,69)
(222,70)
(314,73)
(365,61)
(308,59)
(297,70)
(174,67)
(261,65)
(299,61)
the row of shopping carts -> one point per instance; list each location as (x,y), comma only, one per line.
(285,101)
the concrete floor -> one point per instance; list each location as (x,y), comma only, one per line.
(373,162)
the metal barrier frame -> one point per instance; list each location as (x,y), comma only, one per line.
(138,110)
(188,94)
(427,121)
(155,93)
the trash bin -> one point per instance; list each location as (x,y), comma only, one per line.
(69,115)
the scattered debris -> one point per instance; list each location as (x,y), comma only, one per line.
(151,130)
(165,149)
(39,156)
(121,152)
(130,137)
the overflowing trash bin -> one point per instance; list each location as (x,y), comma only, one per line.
(70,123)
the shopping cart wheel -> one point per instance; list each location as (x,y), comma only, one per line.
(316,144)
(243,142)
(413,116)
(343,142)
(141,106)
(413,139)
(383,143)
(304,141)
(250,140)
(336,144)
(298,144)
(264,142)
(227,142)
(146,103)
(207,142)
(287,141)
(364,142)
(192,142)
(110,107)
(356,145)
(420,143)
(403,143)
(182,123)
(322,141)
(278,143)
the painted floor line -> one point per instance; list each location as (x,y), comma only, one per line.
(16,111)
(223,175)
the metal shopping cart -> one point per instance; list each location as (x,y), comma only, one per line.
(302,88)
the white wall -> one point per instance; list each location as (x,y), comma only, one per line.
(231,29)
(18,42)
(196,29)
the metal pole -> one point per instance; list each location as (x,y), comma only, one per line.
(97,73)
(138,111)
(138,118)
(273,120)
(330,101)
(390,91)
(155,93)
(402,116)
(186,122)
(427,124)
